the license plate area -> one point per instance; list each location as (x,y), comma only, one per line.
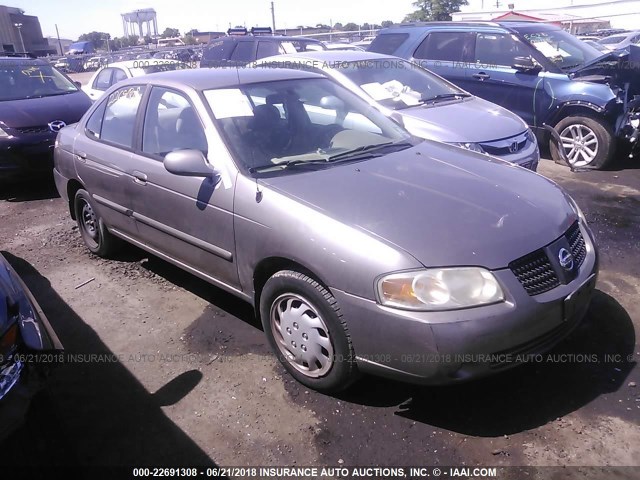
(576,298)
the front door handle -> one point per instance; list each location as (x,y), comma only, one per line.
(481,76)
(139,177)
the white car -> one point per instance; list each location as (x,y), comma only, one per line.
(116,72)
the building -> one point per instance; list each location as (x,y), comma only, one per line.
(571,23)
(577,16)
(56,44)
(22,33)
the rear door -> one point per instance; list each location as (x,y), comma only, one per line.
(448,54)
(103,156)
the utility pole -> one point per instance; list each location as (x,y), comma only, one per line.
(59,42)
(19,27)
(273,18)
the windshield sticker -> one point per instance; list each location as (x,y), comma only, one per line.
(228,103)
(549,50)
(376,91)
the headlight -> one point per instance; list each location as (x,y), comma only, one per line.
(474,147)
(439,289)
(3,134)
(531,136)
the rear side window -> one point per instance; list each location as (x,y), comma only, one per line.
(267,49)
(219,50)
(388,43)
(243,52)
(94,124)
(103,80)
(447,46)
(120,115)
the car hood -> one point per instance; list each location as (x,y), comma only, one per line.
(617,69)
(469,120)
(35,112)
(441,204)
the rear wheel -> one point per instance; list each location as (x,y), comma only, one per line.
(92,229)
(586,141)
(305,327)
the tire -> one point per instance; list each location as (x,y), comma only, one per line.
(307,331)
(599,145)
(92,229)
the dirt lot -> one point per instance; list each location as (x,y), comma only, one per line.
(181,373)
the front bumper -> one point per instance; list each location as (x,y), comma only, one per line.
(453,346)
(26,154)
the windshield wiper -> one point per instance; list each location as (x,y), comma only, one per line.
(366,149)
(444,96)
(290,163)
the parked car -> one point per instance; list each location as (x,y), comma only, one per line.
(29,347)
(342,46)
(427,105)
(360,247)
(36,101)
(621,40)
(115,72)
(596,45)
(538,71)
(239,50)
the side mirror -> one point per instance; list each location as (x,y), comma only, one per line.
(77,84)
(525,64)
(331,102)
(396,117)
(188,163)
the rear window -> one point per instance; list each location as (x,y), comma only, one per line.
(218,50)
(388,43)
(447,46)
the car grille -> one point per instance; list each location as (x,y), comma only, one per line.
(534,270)
(40,129)
(503,150)
(578,247)
(535,273)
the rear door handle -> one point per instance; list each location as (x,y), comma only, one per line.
(481,76)
(139,177)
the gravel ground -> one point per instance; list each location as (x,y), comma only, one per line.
(165,369)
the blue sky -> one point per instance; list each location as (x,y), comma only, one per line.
(75,17)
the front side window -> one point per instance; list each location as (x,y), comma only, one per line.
(20,80)
(243,52)
(120,115)
(273,125)
(267,49)
(498,49)
(118,75)
(170,124)
(446,46)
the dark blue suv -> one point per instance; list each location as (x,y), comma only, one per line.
(538,71)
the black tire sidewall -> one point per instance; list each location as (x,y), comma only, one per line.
(604,134)
(104,244)
(343,371)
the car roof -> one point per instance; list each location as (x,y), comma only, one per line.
(279,38)
(19,60)
(329,56)
(209,78)
(508,24)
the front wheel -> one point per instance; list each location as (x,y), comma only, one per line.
(306,329)
(587,142)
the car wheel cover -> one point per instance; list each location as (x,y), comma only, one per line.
(301,335)
(580,143)
(89,222)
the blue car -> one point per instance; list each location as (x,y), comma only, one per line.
(539,72)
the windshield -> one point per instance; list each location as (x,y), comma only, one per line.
(21,80)
(273,125)
(562,48)
(397,84)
